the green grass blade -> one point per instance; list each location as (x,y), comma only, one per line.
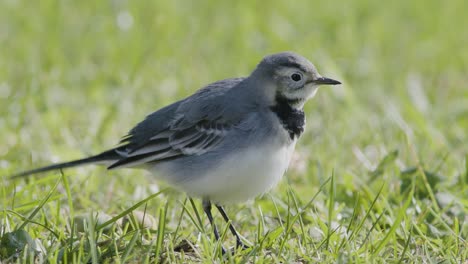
(129,247)
(40,205)
(128,210)
(395,225)
(161,230)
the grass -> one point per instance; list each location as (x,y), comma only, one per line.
(379,176)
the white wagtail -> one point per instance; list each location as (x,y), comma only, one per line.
(230,141)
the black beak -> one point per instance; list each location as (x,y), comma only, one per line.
(327,81)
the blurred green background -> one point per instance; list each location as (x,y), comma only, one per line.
(75,76)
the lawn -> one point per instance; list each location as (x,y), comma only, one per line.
(379,176)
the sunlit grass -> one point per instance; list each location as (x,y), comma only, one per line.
(380,175)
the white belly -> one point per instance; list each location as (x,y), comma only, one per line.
(242,176)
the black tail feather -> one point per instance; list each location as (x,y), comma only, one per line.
(110,155)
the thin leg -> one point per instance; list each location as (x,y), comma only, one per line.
(239,243)
(207,209)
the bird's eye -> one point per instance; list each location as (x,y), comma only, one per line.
(296,77)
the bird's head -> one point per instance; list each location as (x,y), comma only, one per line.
(290,77)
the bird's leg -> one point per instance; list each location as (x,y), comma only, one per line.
(207,209)
(239,243)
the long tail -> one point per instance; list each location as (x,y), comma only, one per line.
(110,155)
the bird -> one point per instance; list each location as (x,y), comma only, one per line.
(229,142)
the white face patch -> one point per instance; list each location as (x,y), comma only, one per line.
(301,95)
(296,85)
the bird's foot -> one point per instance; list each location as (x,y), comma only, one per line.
(240,245)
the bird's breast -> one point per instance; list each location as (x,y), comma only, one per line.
(241,175)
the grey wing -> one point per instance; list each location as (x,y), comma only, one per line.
(196,125)
(173,143)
